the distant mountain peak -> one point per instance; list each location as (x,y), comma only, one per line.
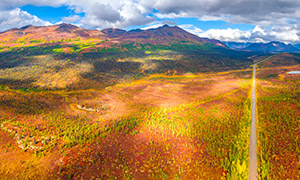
(273,46)
(276,42)
(237,45)
(66,27)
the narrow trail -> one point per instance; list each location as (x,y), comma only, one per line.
(253,154)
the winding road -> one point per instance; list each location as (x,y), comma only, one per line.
(253,154)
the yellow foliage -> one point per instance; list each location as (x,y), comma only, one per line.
(281,77)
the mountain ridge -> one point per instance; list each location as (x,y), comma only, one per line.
(273,46)
(48,33)
(161,35)
(237,45)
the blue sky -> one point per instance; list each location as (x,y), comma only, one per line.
(225,20)
(48,13)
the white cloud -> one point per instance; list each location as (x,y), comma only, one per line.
(12,4)
(209,18)
(19,18)
(258,29)
(258,34)
(191,28)
(286,36)
(158,24)
(134,14)
(227,35)
(258,12)
(153,26)
(71,19)
(105,12)
(112,13)
(285,33)
(234,11)
(98,13)
(172,15)
(259,40)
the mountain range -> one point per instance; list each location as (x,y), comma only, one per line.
(273,46)
(163,35)
(297,46)
(237,45)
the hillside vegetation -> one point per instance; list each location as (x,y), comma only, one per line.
(83,65)
(278,118)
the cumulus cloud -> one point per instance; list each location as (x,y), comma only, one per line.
(12,4)
(71,19)
(227,35)
(266,14)
(105,12)
(153,26)
(169,22)
(286,34)
(192,29)
(258,34)
(98,13)
(19,18)
(259,30)
(235,11)
(158,24)
(134,14)
(112,13)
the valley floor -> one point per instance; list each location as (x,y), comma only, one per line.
(193,126)
(159,127)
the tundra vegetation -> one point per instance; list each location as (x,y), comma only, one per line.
(279,118)
(73,110)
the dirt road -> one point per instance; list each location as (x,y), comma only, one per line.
(253,154)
